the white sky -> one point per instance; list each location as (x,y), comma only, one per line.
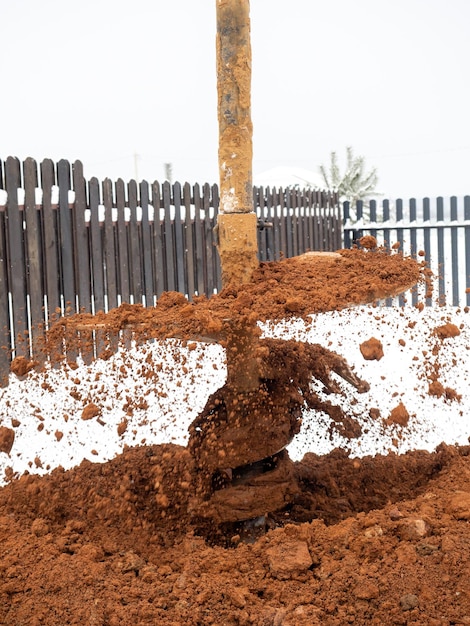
(103,80)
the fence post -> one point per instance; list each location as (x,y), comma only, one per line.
(346,217)
(440,251)
(135,259)
(399,218)
(17,261)
(122,241)
(82,242)
(427,240)
(33,257)
(454,252)
(66,237)
(146,244)
(110,246)
(179,259)
(5,337)
(96,246)
(413,244)
(466,215)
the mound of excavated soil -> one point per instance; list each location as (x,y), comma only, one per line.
(379,540)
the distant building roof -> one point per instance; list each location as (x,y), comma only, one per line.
(285,176)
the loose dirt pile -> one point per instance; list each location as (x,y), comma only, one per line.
(368,541)
(379,540)
(296,287)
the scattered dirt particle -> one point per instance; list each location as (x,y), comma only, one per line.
(372,349)
(446,331)
(122,427)
(90,411)
(21,366)
(7,438)
(399,415)
(368,242)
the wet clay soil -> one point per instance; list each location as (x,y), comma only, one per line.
(380,540)
(296,287)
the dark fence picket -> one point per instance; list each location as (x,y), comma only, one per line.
(276,221)
(82,258)
(135,259)
(440,251)
(466,216)
(331,226)
(97,260)
(66,265)
(96,247)
(283,220)
(34,260)
(209,224)
(427,239)
(454,251)
(109,235)
(306,220)
(287,196)
(147,272)
(157,241)
(168,239)
(303,235)
(321,224)
(269,226)
(258,200)
(17,260)
(123,249)
(82,240)
(400,236)
(5,336)
(199,243)
(179,246)
(413,243)
(215,256)
(50,240)
(188,240)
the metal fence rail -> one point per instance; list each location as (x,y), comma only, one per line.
(438,230)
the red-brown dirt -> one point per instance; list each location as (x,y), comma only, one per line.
(380,540)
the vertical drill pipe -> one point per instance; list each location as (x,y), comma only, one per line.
(237,219)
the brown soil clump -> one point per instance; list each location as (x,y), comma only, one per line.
(380,540)
(399,415)
(436,388)
(21,366)
(372,349)
(296,287)
(7,438)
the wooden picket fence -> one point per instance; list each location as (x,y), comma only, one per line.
(70,245)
